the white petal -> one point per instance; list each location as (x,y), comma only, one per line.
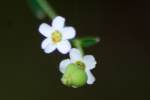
(63,64)
(64,47)
(58,22)
(45,43)
(68,33)
(45,29)
(75,55)
(50,48)
(91,78)
(89,61)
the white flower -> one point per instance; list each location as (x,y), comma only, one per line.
(57,36)
(87,62)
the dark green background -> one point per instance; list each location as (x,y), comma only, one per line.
(122,72)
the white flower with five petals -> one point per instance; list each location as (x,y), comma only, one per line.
(87,62)
(57,36)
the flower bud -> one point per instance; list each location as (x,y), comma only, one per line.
(74,76)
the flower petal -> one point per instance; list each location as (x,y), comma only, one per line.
(45,43)
(89,61)
(75,55)
(45,29)
(91,78)
(50,48)
(64,47)
(63,64)
(58,22)
(68,33)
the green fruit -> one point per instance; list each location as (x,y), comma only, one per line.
(79,78)
(74,76)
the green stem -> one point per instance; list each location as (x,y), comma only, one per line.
(47,8)
(77,44)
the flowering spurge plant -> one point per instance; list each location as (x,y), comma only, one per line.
(77,70)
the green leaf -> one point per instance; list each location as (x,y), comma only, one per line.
(42,9)
(36,9)
(89,41)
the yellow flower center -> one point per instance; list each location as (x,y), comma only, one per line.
(56,37)
(81,65)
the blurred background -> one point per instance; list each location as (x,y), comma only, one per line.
(122,72)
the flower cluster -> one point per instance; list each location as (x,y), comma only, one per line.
(76,70)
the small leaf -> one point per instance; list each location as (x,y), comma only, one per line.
(42,9)
(36,9)
(89,41)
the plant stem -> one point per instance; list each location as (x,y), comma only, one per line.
(47,8)
(77,44)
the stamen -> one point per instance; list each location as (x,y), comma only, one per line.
(56,37)
(81,65)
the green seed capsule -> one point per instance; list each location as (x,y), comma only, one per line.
(74,76)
